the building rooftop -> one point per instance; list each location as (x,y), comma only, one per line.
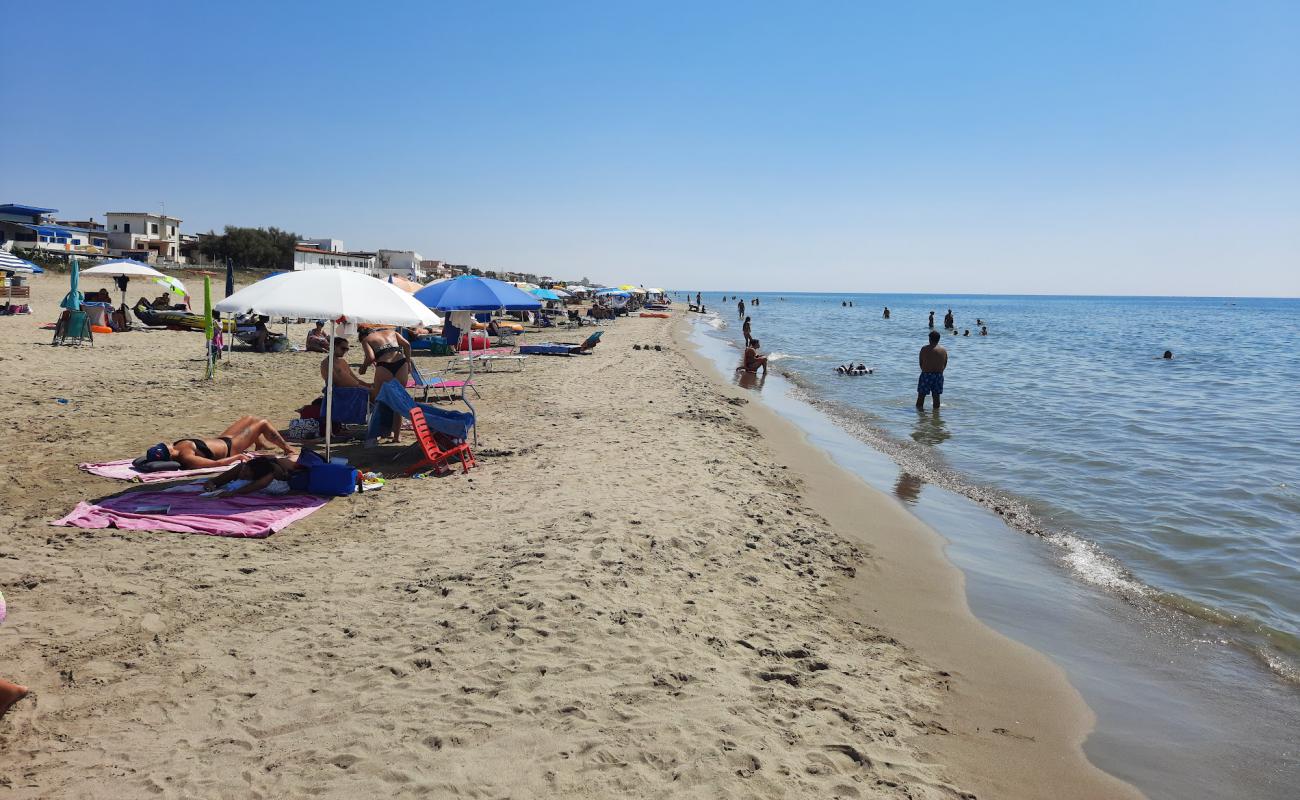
(15,208)
(141,214)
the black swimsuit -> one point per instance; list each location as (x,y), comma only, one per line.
(394,366)
(201,447)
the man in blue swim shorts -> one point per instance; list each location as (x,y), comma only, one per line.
(934,359)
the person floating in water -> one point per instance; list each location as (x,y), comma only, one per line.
(1168,356)
(931,320)
(948,319)
(966,332)
(984,330)
(934,360)
(886,312)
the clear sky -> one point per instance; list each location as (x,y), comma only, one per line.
(1109,148)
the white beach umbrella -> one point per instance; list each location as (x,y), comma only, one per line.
(123,268)
(333,294)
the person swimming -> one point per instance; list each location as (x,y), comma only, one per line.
(851,369)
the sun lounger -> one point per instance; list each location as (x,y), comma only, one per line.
(562,348)
(436,384)
(489,357)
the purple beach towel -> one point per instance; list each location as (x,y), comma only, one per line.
(250,516)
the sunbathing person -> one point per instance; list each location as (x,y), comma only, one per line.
(343,374)
(318,341)
(247,433)
(259,472)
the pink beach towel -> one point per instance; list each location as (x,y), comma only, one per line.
(123,471)
(251,516)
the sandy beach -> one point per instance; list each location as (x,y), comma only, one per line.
(650,587)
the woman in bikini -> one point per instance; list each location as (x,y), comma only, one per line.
(247,433)
(391,355)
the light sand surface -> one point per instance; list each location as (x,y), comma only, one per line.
(648,588)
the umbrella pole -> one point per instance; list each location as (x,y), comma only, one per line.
(329,396)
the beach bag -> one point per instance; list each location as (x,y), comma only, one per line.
(304,429)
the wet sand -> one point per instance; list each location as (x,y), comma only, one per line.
(650,587)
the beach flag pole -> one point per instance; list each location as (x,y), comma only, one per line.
(207,325)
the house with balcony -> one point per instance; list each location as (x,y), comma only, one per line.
(34,228)
(144,236)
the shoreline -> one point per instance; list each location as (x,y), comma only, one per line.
(631,596)
(1019,725)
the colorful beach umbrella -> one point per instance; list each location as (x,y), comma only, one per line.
(12,263)
(174,285)
(544,294)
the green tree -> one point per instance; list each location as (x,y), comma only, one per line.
(264,248)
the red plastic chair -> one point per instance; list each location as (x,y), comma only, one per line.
(435,456)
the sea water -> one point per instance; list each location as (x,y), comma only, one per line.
(1162,496)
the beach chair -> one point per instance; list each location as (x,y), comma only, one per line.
(435,456)
(73,327)
(437,384)
(487,358)
(562,348)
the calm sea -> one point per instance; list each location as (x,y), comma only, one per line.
(1174,484)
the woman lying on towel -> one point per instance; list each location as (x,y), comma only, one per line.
(261,473)
(247,433)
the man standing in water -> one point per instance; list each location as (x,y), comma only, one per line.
(740,307)
(934,359)
(931,320)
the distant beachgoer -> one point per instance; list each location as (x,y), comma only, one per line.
(844,303)
(699,301)
(318,341)
(247,433)
(850,304)
(755,301)
(1169,355)
(753,361)
(886,312)
(984,330)
(947,319)
(966,332)
(740,307)
(259,472)
(931,319)
(979,321)
(934,360)
(343,374)
(260,333)
(745,329)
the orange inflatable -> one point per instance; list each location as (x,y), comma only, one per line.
(100,329)
(657,316)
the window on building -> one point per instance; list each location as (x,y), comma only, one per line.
(126,227)
(115,226)
(153,228)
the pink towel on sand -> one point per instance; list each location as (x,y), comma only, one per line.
(123,471)
(252,516)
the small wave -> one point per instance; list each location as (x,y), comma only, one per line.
(777,356)
(715,322)
(1090,563)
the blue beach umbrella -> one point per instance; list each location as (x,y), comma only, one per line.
(469,293)
(544,294)
(230,277)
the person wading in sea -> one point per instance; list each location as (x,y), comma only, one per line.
(932,320)
(746,329)
(934,359)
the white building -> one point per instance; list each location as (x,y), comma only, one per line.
(308,257)
(332,245)
(144,236)
(404,263)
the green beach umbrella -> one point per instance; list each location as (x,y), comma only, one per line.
(207,320)
(73,301)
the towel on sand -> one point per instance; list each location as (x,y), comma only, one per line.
(123,471)
(253,516)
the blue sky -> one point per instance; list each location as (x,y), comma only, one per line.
(1126,148)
